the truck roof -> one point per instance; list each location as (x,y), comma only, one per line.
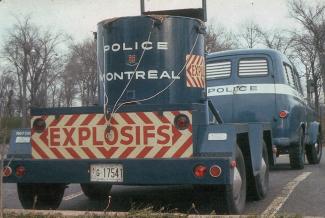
(267,51)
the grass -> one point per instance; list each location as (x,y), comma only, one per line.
(133,213)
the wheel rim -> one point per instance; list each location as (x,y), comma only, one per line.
(263,171)
(318,148)
(237,185)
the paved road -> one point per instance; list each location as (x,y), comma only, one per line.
(291,192)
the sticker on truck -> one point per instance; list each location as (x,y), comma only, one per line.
(130,135)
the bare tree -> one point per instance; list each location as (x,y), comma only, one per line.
(312,19)
(31,55)
(7,85)
(83,64)
(277,39)
(219,39)
(250,35)
(307,55)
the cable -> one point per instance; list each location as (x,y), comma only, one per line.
(164,89)
(129,82)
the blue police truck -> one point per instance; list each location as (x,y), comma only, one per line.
(154,125)
(262,85)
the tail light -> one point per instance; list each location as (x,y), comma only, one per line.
(181,122)
(20,171)
(283,114)
(200,170)
(215,171)
(7,171)
(39,125)
(233,164)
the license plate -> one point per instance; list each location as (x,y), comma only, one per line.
(106,173)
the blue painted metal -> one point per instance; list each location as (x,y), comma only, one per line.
(176,35)
(136,172)
(263,107)
(19,144)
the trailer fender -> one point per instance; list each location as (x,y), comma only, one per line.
(217,140)
(313,131)
(256,140)
(19,144)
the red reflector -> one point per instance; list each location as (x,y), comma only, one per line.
(215,171)
(7,171)
(181,121)
(20,171)
(283,114)
(39,125)
(233,164)
(200,170)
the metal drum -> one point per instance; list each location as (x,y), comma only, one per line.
(151,60)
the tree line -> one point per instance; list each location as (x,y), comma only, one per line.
(303,43)
(40,70)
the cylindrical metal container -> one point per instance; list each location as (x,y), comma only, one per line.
(152,59)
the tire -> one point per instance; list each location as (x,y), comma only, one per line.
(314,151)
(96,191)
(40,196)
(231,199)
(297,153)
(258,186)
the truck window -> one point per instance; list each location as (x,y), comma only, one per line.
(253,67)
(218,70)
(289,75)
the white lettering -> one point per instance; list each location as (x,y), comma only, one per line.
(129,73)
(126,48)
(175,76)
(106,48)
(162,45)
(116,47)
(140,74)
(164,75)
(152,74)
(146,45)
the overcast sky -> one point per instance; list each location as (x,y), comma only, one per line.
(78,18)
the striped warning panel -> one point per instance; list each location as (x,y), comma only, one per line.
(129,135)
(195,71)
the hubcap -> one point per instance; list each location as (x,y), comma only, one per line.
(263,168)
(237,183)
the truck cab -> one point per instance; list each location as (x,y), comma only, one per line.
(262,85)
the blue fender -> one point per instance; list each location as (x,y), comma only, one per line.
(256,140)
(313,131)
(19,145)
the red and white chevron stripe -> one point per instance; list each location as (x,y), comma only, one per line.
(131,135)
(195,71)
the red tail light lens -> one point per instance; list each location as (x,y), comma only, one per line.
(200,170)
(215,171)
(7,171)
(283,114)
(20,171)
(181,122)
(39,125)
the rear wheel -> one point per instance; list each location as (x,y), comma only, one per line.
(314,151)
(259,184)
(297,152)
(40,196)
(96,191)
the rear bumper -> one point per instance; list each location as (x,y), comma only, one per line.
(136,172)
(282,142)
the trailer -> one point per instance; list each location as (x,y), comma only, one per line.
(154,125)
